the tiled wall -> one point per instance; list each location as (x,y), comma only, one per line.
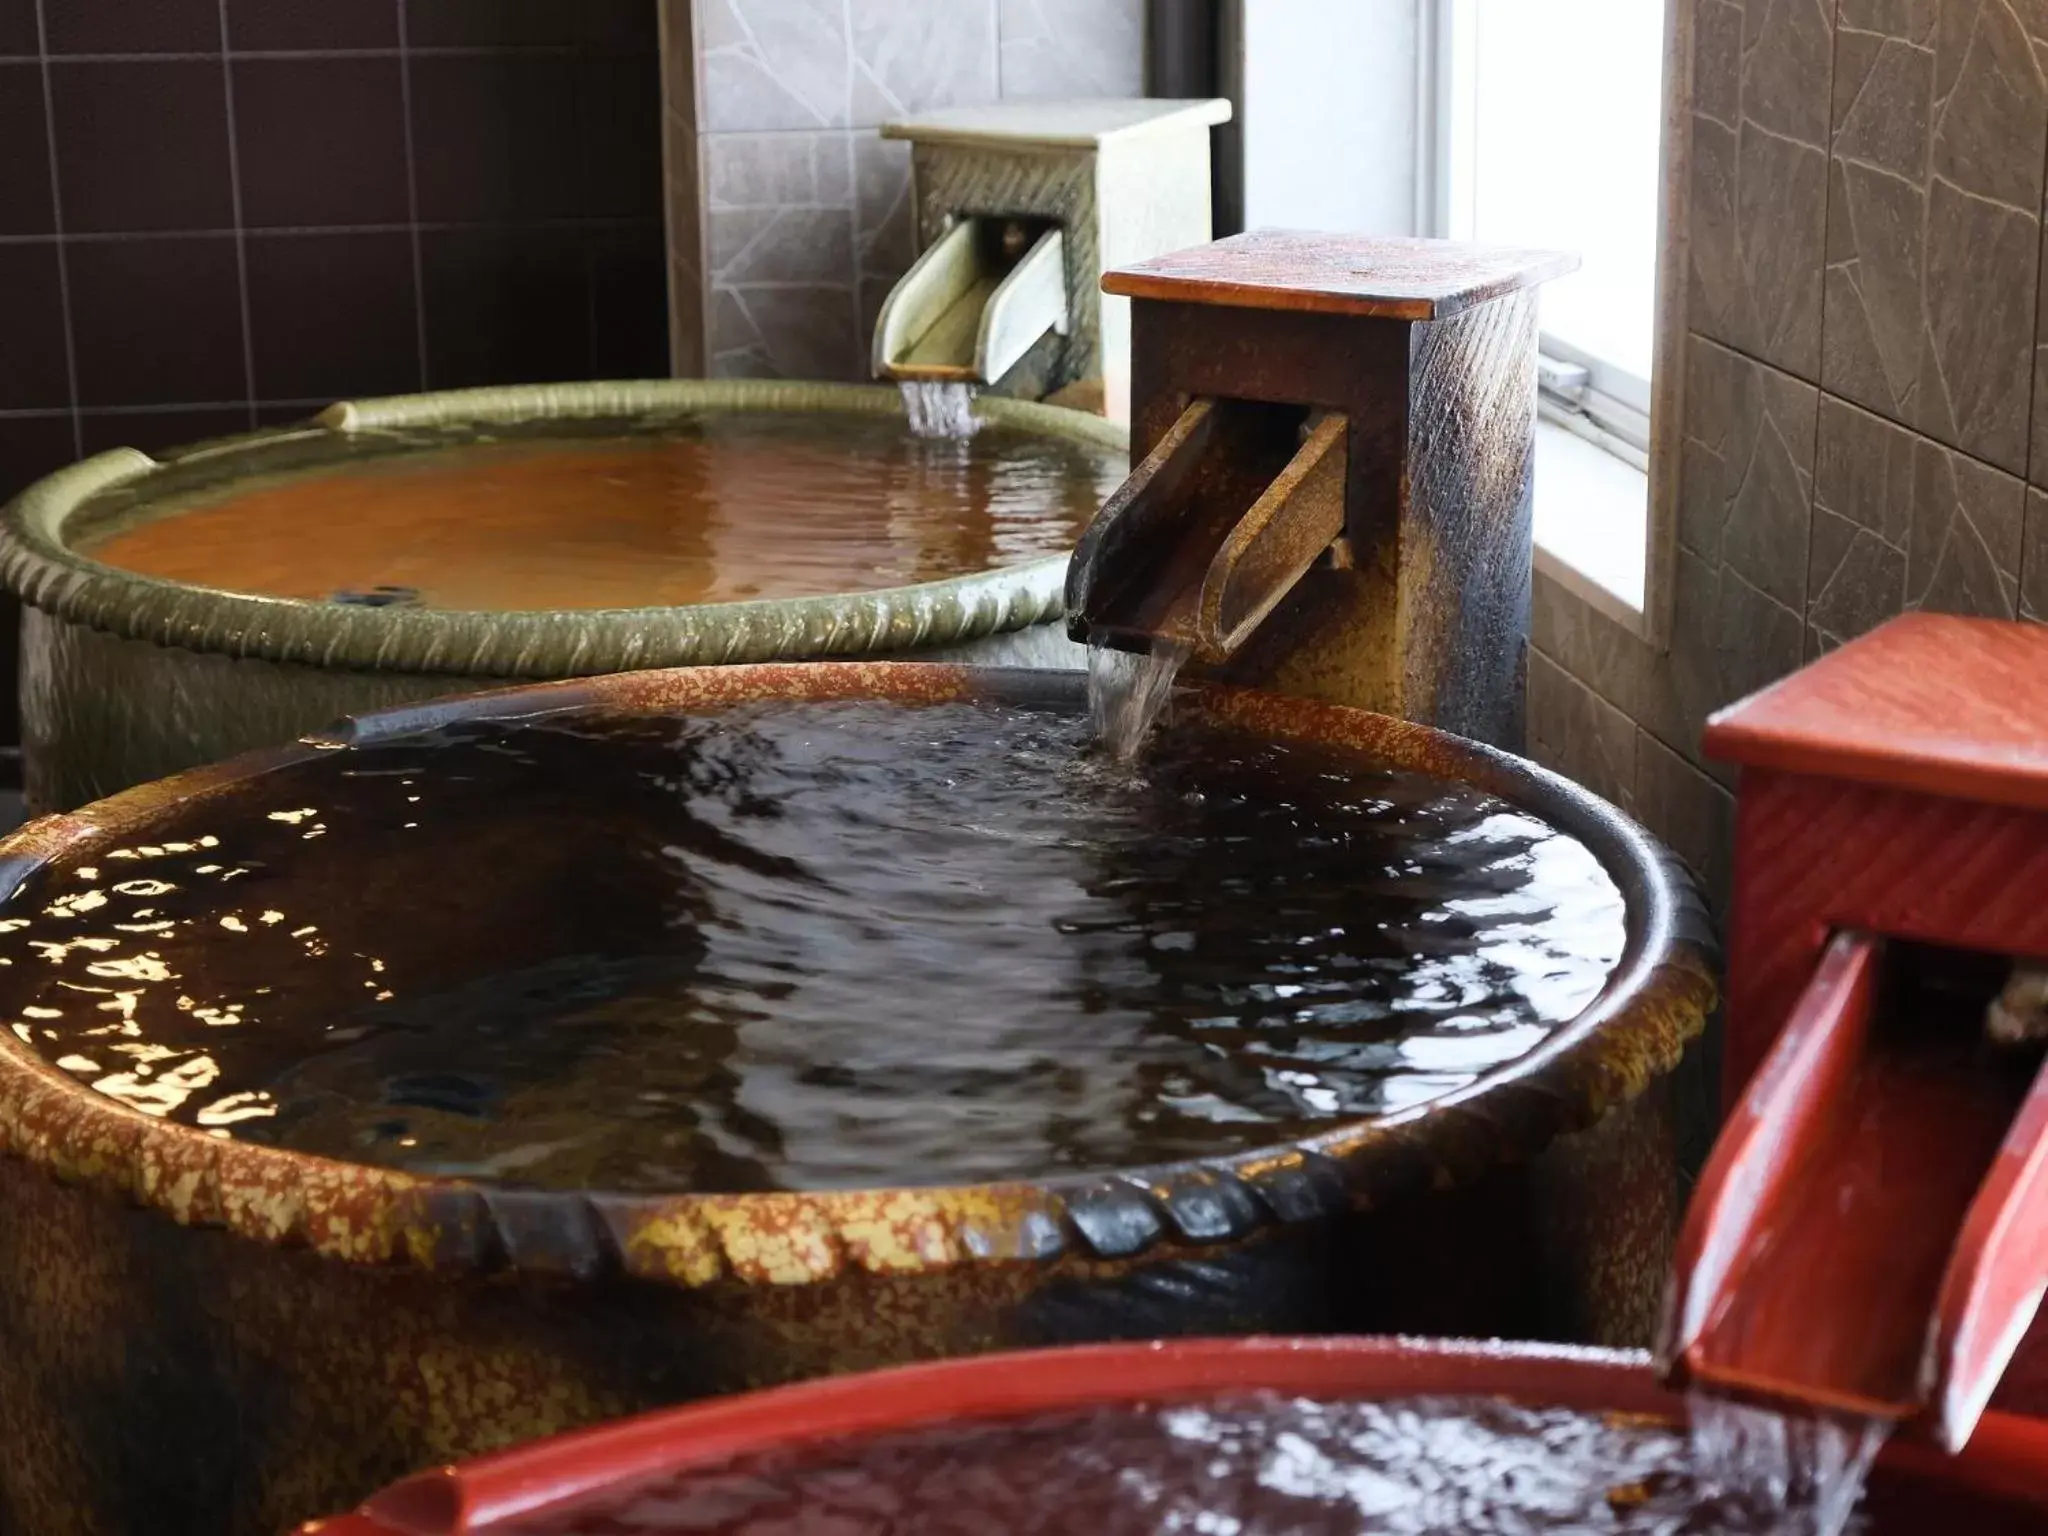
(1865,407)
(790,216)
(215,214)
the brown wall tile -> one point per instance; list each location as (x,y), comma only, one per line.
(143,146)
(157,321)
(618,136)
(1748,468)
(501,23)
(1808,516)
(628,303)
(494,136)
(19,35)
(333,315)
(1575,732)
(344,115)
(1963,555)
(26,207)
(33,372)
(1758,196)
(1862,518)
(124,26)
(2034,561)
(256,25)
(1934,222)
(31,447)
(1692,814)
(538,128)
(499,309)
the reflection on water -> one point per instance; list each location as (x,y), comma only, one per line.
(806,946)
(714,509)
(1250,1466)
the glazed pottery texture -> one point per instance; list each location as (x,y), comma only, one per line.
(199,1334)
(127,678)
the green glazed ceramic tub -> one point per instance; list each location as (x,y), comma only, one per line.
(126,678)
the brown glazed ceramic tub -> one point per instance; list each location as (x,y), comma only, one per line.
(199,1334)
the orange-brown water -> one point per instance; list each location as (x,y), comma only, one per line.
(764,505)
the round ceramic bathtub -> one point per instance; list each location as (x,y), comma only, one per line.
(198,1332)
(128,676)
(581,1481)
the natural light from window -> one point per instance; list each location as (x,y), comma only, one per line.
(1552,138)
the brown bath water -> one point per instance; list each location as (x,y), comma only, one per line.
(1249,1466)
(807,946)
(714,509)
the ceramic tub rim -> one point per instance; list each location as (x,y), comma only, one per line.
(1655,1001)
(40,568)
(556,1475)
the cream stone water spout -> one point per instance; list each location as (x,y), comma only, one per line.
(1020,207)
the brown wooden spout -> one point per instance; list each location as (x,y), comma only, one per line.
(1383,557)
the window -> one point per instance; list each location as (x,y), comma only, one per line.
(1548,133)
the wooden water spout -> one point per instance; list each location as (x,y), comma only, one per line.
(1871,1232)
(1334,500)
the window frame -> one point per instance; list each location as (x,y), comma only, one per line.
(1634,419)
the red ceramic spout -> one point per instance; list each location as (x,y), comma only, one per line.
(1871,1232)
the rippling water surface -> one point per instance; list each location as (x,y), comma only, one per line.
(717,508)
(1245,1467)
(806,946)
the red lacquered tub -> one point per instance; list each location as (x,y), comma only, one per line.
(1998,1485)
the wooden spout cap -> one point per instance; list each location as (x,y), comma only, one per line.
(1377,276)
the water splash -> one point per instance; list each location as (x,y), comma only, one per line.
(1127,692)
(939,409)
(1793,1475)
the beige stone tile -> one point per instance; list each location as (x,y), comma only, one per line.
(1758,177)
(1611,659)
(1693,815)
(1858,582)
(884,223)
(773,170)
(1072,48)
(1862,518)
(1578,734)
(1963,555)
(1934,220)
(916,55)
(789,331)
(2034,564)
(769,64)
(1747,469)
(1717,60)
(780,245)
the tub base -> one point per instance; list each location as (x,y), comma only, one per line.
(100,714)
(157,1380)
